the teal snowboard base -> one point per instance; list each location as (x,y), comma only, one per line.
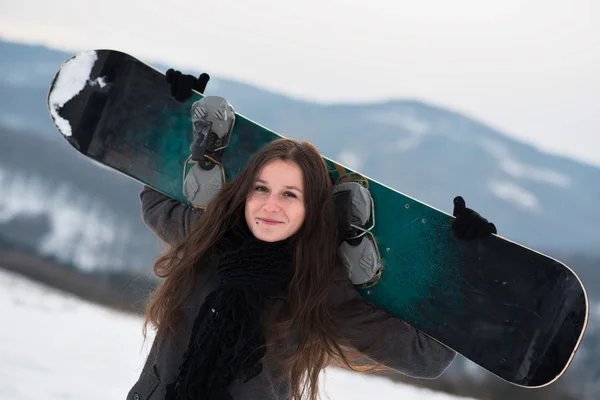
(515,312)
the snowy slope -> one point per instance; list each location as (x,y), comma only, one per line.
(60,347)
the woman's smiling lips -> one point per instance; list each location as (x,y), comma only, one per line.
(269,221)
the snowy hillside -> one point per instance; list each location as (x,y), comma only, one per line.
(82,230)
(59,347)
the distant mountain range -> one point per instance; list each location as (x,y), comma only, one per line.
(90,214)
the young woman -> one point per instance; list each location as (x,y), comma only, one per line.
(255,301)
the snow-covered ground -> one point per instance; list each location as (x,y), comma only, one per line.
(56,346)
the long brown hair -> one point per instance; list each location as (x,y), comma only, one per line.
(307,315)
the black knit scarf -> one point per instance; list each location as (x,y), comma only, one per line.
(227,341)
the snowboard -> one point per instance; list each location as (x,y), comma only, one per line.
(515,312)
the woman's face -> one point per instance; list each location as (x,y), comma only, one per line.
(275,208)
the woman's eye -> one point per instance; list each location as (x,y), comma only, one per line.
(266,190)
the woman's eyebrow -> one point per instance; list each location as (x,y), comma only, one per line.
(287,187)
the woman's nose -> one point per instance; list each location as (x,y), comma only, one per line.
(272,203)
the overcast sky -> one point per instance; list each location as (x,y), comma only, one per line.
(529,68)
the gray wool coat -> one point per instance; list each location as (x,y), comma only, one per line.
(406,349)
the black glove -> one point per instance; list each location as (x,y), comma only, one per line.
(469,224)
(182,85)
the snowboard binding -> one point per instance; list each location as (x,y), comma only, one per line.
(213,118)
(358,250)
